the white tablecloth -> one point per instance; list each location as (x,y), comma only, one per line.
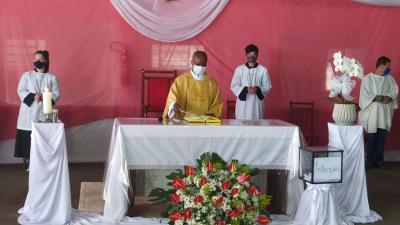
(352,193)
(318,206)
(338,204)
(147,144)
(49,199)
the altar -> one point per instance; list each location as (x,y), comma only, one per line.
(150,144)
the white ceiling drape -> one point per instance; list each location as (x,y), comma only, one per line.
(380,2)
(169,20)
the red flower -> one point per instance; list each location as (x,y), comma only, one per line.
(243,178)
(175,198)
(178,183)
(175,216)
(240,209)
(203,181)
(187,214)
(198,199)
(233,214)
(226,185)
(262,219)
(190,171)
(219,222)
(249,208)
(219,201)
(209,166)
(251,189)
(233,166)
(234,192)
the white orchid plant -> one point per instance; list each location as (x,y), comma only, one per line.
(340,86)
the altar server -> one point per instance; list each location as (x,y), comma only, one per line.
(378,100)
(194,91)
(30,87)
(250,84)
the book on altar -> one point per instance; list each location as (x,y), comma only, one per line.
(201,119)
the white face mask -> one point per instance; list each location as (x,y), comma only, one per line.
(199,70)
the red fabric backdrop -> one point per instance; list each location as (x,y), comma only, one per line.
(98,57)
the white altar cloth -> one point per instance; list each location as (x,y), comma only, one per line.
(147,144)
(352,194)
(324,208)
(49,199)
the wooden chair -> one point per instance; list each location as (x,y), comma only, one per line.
(302,114)
(155,88)
(230,109)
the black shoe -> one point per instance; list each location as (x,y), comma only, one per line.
(379,165)
(369,165)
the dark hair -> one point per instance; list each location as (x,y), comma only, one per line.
(251,48)
(45,55)
(200,54)
(383,60)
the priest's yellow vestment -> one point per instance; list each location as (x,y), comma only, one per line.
(199,97)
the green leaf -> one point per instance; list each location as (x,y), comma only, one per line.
(215,158)
(254,172)
(205,157)
(244,168)
(157,192)
(164,214)
(219,166)
(199,164)
(173,175)
(160,196)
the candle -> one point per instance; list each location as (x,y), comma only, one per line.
(47,103)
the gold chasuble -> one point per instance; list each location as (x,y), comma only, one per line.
(199,97)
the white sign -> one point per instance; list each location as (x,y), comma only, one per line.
(327,169)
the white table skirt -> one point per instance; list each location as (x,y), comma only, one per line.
(352,193)
(324,208)
(49,199)
(147,144)
(342,204)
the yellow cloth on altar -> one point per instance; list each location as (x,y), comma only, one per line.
(199,97)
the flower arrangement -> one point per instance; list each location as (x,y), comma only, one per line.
(213,193)
(341,85)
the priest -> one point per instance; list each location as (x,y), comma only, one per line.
(195,92)
(378,100)
(250,84)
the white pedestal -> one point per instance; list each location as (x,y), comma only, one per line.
(318,206)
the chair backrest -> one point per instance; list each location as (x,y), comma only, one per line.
(155,88)
(302,114)
(230,109)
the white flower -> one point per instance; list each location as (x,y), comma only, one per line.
(226,206)
(338,61)
(179,222)
(244,195)
(337,55)
(346,62)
